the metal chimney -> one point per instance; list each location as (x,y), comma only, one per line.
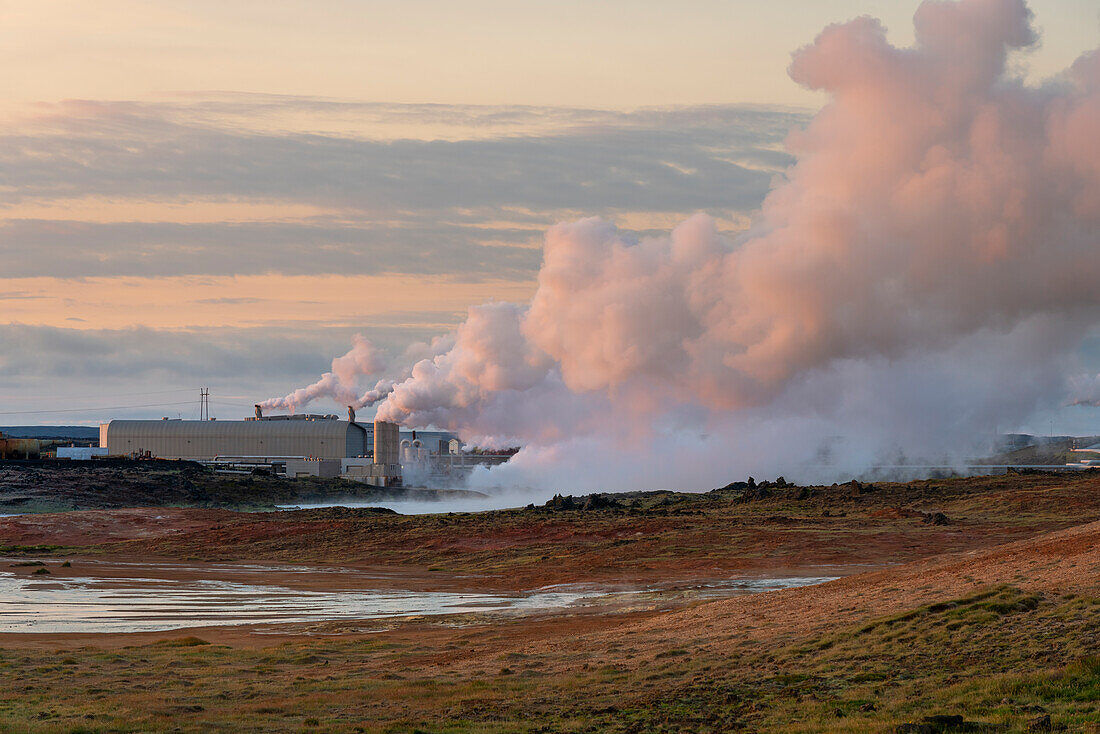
(259,412)
(351,414)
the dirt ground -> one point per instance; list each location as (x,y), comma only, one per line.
(633,538)
(971,598)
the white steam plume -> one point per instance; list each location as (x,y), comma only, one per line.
(342,383)
(924,274)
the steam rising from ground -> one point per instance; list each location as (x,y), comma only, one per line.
(921,278)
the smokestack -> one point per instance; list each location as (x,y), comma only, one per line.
(351,414)
(259,412)
(386,439)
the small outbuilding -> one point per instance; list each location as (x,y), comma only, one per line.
(81,453)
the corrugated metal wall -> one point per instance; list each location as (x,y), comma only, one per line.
(386,438)
(325,439)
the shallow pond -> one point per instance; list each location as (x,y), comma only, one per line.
(86,604)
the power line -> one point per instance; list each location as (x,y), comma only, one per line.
(87,410)
(120,395)
(219,401)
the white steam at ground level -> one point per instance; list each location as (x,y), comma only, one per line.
(921,278)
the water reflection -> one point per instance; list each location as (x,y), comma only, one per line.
(91,605)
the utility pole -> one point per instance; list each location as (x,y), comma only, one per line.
(204,403)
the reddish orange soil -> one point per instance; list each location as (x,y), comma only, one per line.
(1066,561)
(679,538)
(92,527)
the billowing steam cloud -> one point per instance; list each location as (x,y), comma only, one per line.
(923,275)
(342,383)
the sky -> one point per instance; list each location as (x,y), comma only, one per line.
(223,193)
(608,54)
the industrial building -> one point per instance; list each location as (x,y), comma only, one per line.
(297,445)
(377,452)
(305,437)
(81,453)
(19,448)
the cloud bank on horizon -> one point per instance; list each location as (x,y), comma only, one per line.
(924,273)
(232,240)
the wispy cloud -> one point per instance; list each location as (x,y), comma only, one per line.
(253,227)
(475,176)
(274,354)
(40,247)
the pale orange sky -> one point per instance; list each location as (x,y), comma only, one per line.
(602,55)
(189,302)
(607,54)
(299,171)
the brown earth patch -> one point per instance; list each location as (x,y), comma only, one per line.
(93,527)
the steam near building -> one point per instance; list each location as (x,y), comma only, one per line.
(297,445)
(923,274)
(922,277)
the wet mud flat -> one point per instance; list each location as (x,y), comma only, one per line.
(93,597)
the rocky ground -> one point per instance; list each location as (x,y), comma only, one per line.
(642,536)
(60,486)
(966,605)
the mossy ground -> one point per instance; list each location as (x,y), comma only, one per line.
(996,655)
(998,658)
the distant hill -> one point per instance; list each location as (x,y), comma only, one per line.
(78,432)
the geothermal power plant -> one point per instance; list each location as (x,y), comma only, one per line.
(377,453)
